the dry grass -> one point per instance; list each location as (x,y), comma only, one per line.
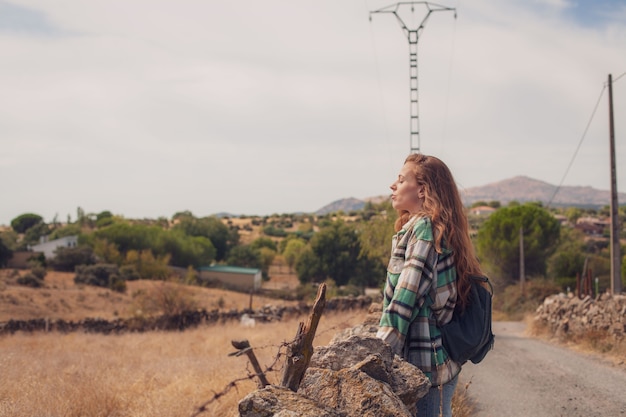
(462,404)
(149,374)
(62,299)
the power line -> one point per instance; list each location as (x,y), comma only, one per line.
(582,138)
(578,147)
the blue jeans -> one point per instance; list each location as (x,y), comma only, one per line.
(437,402)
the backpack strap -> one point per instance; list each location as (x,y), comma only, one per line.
(483,279)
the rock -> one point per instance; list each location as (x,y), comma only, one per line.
(357,374)
(574,316)
(273,401)
(353,393)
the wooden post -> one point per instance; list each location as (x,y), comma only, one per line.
(244,348)
(299,351)
(616,259)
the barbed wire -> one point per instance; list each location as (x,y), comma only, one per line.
(271,368)
(233,384)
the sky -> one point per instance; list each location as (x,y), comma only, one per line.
(146,108)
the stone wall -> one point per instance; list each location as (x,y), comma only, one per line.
(182,321)
(569,315)
(357,374)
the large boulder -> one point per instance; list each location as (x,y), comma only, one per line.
(273,401)
(357,374)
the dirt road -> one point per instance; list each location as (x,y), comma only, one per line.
(525,377)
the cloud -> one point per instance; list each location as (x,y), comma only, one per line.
(146,108)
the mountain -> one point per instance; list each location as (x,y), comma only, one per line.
(525,189)
(345,204)
(520,188)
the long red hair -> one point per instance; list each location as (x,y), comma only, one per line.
(443,205)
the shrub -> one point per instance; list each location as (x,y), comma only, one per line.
(39,272)
(100,275)
(30,280)
(129,273)
(67,259)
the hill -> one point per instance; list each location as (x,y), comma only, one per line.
(524,189)
(518,188)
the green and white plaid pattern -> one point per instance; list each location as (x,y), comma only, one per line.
(419,293)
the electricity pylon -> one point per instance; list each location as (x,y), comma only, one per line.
(413,36)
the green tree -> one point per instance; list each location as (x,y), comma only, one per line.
(375,235)
(266,249)
(244,256)
(25,221)
(337,250)
(263,242)
(63,231)
(308,267)
(498,240)
(572,214)
(147,265)
(211,227)
(569,258)
(33,234)
(185,250)
(182,249)
(293,250)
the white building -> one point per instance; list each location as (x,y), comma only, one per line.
(49,247)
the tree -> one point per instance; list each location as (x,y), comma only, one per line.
(337,249)
(293,250)
(498,240)
(244,256)
(569,257)
(5,254)
(211,227)
(147,265)
(33,234)
(182,249)
(263,242)
(375,234)
(63,231)
(25,221)
(308,267)
(66,259)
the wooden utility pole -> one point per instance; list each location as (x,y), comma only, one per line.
(522,272)
(616,280)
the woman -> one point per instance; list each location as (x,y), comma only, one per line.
(428,274)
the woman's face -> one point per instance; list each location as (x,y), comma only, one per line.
(407,194)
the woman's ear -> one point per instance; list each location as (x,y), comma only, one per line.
(420,192)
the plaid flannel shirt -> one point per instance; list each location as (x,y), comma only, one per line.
(420,293)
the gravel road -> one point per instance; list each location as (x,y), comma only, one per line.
(525,377)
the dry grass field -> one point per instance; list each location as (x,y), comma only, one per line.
(139,374)
(149,374)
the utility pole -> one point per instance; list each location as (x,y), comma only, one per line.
(413,36)
(616,280)
(522,269)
